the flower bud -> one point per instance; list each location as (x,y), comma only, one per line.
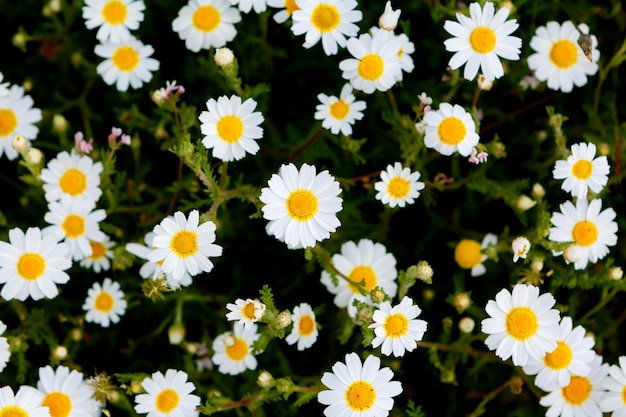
(525,203)
(176,333)
(389,19)
(462,301)
(466,325)
(224,57)
(284,319)
(59,123)
(265,379)
(424,272)
(538,191)
(19,143)
(60,352)
(616,273)
(484,83)
(34,156)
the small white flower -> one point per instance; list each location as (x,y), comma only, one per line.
(233,350)
(304,330)
(339,114)
(115,18)
(520,246)
(17,117)
(246,5)
(246,312)
(450,129)
(66,393)
(25,403)
(168,395)
(105,303)
(73,175)
(398,186)
(205,24)
(397,328)
(582,171)
(389,19)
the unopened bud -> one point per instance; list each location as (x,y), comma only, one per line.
(572,254)
(616,273)
(230,340)
(265,379)
(19,143)
(536,264)
(377,295)
(462,301)
(34,156)
(389,19)
(603,149)
(484,83)
(538,191)
(525,203)
(224,57)
(60,352)
(59,123)
(284,319)
(176,333)
(466,325)
(424,272)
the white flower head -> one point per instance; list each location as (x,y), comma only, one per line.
(338,114)
(5,349)
(398,186)
(613,400)
(233,350)
(101,255)
(246,5)
(17,117)
(287,7)
(245,312)
(582,171)
(304,331)
(105,303)
(397,328)
(168,395)
(114,18)
(25,402)
(520,246)
(73,175)
(66,393)
(450,129)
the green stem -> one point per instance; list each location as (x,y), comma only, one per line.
(606,297)
(480,408)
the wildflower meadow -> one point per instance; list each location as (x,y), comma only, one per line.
(340,208)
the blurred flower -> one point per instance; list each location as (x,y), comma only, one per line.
(478,157)
(60,352)
(19,143)
(223,57)
(171,90)
(247,5)
(389,19)
(233,350)
(582,171)
(245,312)
(397,328)
(34,156)
(304,330)
(468,254)
(26,402)
(538,191)
(81,144)
(425,99)
(105,303)
(167,395)
(66,393)
(116,133)
(524,202)
(462,301)
(287,8)
(398,186)
(529,82)
(339,114)
(5,349)
(101,255)
(115,18)
(484,83)
(466,325)
(72,175)
(616,273)
(520,246)
(17,117)
(450,129)
(613,400)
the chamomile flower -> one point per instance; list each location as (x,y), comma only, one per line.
(398,186)
(520,247)
(205,24)
(26,402)
(359,388)
(287,8)
(592,230)
(301,205)
(246,312)
(32,265)
(101,255)
(559,59)
(613,401)
(231,128)
(367,265)
(126,63)
(481,39)
(450,129)
(339,114)
(105,303)
(17,117)
(581,397)
(304,330)
(115,18)
(404,53)
(332,21)
(5,349)
(73,175)
(245,6)
(375,63)
(582,171)
(233,350)
(66,394)
(397,328)
(572,356)
(522,324)
(469,254)
(167,395)
(184,246)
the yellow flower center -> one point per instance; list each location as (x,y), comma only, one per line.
(248,311)
(563,54)
(624,394)
(398,187)
(13,411)
(451,130)
(582,169)
(60,404)
(559,358)
(238,350)
(98,250)
(125,58)
(396,325)
(73,182)
(339,110)
(73,226)
(104,302)
(306,325)
(467,253)
(577,391)
(585,233)
(167,400)
(184,243)
(364,275)
(291,6)
(325,17)
(206,18)
(114,12)
(8,122)
(360,396)
(301,205)
(371,67)
(230,128)
(521,323)
(483,39)
(30,266)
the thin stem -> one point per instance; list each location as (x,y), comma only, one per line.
(298,151)
(480,408)
(605,299)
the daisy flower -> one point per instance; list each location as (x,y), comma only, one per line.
(592,230)
(287,8)
(203,24)
(101,255)
(375,63)
(233,350)
(329,20)
(404,53)
(481,39)
(105,303)
(559,59)
(398,186)
(356,388)
(450,129)
(247,5)
(66,394)
(339,114)
(572,356)
(366,264)
(301,206)
(73,175)
(397,328)
(231,127)
(167,395)
(522,324)
(581,397)
(304,330)
(5,349)
(126,62)
(17,117)
(613,401)
(469,254)
(246,312)
(115,18)
(183,245)
(32,265)
(582,171)
(26,402)
(520,247)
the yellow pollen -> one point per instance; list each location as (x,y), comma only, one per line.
(167,400)
(325,17)
(104,302)
(339,110)
(371,67)
(624,394)
(398,187)
(396,325)
(125,58)
(559,358)
(13,411)
(451,130)
(60,404)
(73,226)
(8,122)
(521,323)
(114,12)
(206,18)
(184,243)
(483,40)
(230,128)
(585,233)
(73,182)
(248,311)
(306,325)
(30,266)
(563,54)
(582,169)
(577,391)
(362,274)
(301,205)
(98,250)
(467,253)
(360,396)
(237,351)
(291,6)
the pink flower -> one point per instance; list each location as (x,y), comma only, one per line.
(478,157)
(81,144)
